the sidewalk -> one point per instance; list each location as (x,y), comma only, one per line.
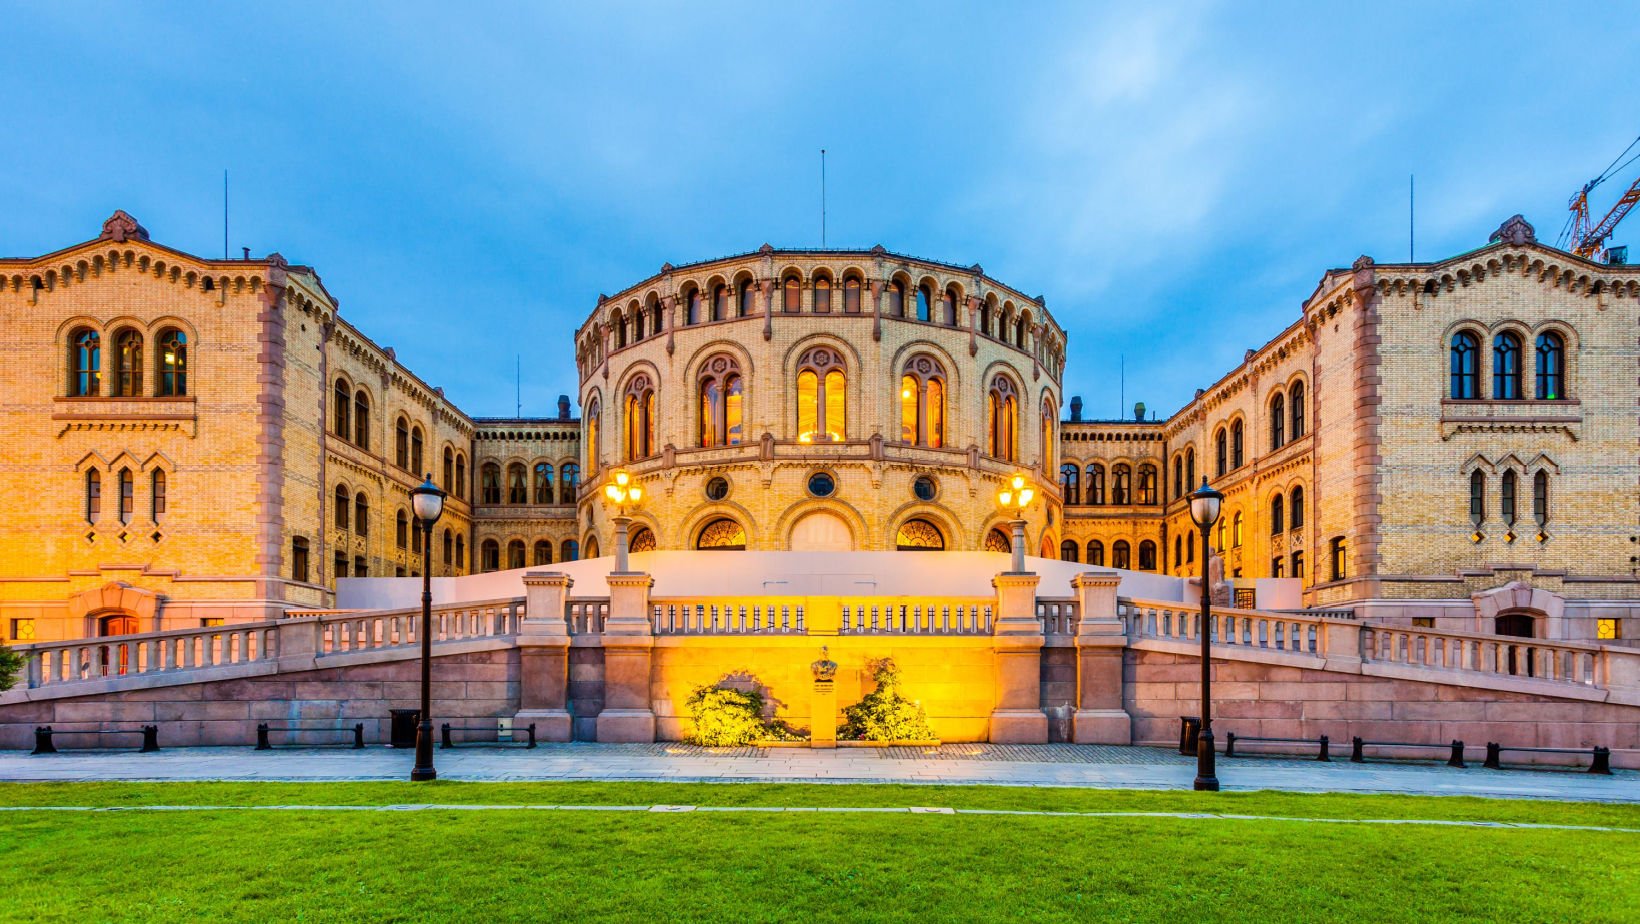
(1095,766)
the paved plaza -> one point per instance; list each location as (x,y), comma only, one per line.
(1095,766)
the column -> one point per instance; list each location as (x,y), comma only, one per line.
(767,300)
(1016,640)
(1101,717)
(876,309)
(629,640)
(973,325)
(543,656)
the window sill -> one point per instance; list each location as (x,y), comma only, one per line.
(136,413)
(1485,415)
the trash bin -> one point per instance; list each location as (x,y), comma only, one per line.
(1190,728)
(403,732)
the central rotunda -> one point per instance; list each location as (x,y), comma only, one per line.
(826,400)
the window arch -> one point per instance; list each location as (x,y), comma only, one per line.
(948,308)
(822,295)
(1551,367)
(401,529)
(851,294)
(1221,447)
(896,299)
(617,323)
(128,364)
(640,418)
(361,419)
(822,388)
(1278,421)
(416,451)
(691,306)
(1121,483)
(489,555)
(489,483)
(1070,485)
(720,302)
(461,475)
(1506,496)
(569,478)
(722,402)
(344,506)
(919,535)
(401,442)
(638,325)
(517,493)
(986,309)
(515,554)
(1238,445)
(173,363)
(543,483)
(342,400)
(1465,361)
(449,470)
(1095,477)
(1540,497)
(1189,469)
(641,540)
(592,446)
(1278,507)
(748,299)
(1235,530)
(922,403)
(1295,509)
(1121,554)
(1147,555)
(998,541)
(1295,397)
(541,553)
(569,550)
(128,495)
(157,495)
(1178,476)
(85,359)
(1147,484)
(722,534)
(1002,419)
(1096,552)
(925,303)
(791,299)
(361,514)
(1069,551)
(1506,366)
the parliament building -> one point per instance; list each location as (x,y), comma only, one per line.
(1453,444)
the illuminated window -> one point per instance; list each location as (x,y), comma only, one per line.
(128,364)
(919,535)
(792,297)
(1604,629)
(998,541)
(922,403)
(1002,420)
(1147,484)
(640,418)
(821,397)
(851,295)
(1235,531)
(722,402)
(822,295)
(173,363)
(641,540)
(592,446)
(722,535)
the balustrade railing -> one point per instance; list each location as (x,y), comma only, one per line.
(1059,616)
(372,629)
(1502,655)
(918,617)
(1243,628)
(728,616)
(586,615)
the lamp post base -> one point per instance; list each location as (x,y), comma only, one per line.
(421,774)
(1207,777)
(423,770)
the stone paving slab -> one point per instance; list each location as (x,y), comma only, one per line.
(1008,765)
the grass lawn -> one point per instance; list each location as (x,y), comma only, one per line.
(481,866)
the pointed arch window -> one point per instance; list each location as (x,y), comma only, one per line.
(85,358)
(1477,497)
(1551,367)
(156,495)
(128,364)
(1465,359)
(1278,421)
(822,295)
(851,295)
(821,396)
(922,403)
(640,418)
(1540,497)
(1506,366)
(1095,476)
(543,483)
(792,295)
(1295,397)
(401,443)
(93,496)
(722,402)
(173,363)
(1506,501)
(489,483)
(1070,485)
(517,493)
(1002,419)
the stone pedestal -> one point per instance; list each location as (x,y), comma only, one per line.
(543,658)
(823,715)
(1100,642)
(628,716)
(1017,645)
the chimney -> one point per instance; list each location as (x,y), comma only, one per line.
(1076,409)
(563,407)
(1139,411)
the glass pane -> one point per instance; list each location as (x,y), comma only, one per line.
(908,409)
(936,414)
(835,414)
(733,411)
(711,398)
(808,407)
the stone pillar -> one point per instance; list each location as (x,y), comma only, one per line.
(1341,645)
(1101,717)
(823,715)
(543,657)
(629,640)
(298,642)
(768,288)
(1017,717)
(973,324)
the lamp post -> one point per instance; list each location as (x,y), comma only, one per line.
(621,491)
(1013,499)
(1204,510)
(427,504)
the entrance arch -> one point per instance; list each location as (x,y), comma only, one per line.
(116,658)
(821,531)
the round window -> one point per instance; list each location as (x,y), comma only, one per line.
(924,488)
(717,488)
(821,484)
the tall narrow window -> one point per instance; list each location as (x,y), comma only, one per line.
(1096,484)
(569,478)
(1278,421)
(985,312)
(489,483)
(592,446)
(722,402)
(617,323)
(910,419)
(128,364)
(415,540)
(640,419)
(1295,510)
(93,496)
(1551,367)
(447,546)
(517,493)
(173,362)
(1477,497)
(1121,554)
(1002,411)
(691,302)
(1147,484)
(515,553)
(637,324)
(821,397)
(1070,485)
(1506,499)
(1178,551)
(1190,469)
(342,410)
(1237,445)
(1540,497)
(156,495)
(86,361)
(851,295)
(449,470)
(1178,478)
(720,303)
(1221,445)
(128,495)
(1506,366)
(896,299)
(461,554)
(1235,530)
(1096,552)
(361,514)
(401,443)
(1465,358)
(543,483)
(1295,397)
(925,305)
(748,301)
(1121,478)
(343,504)
(361,420)
(1278,508)
(416,451)
(299,559)
(922,403)
(461,475)
(948,308)
(1340,553)
(792,299)
(401,530)
(822,295)
(541,553)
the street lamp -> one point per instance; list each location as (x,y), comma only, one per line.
(622,491)
(426,504)
(1204,510)
(1013,499)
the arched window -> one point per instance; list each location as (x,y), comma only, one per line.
(1506,499)
(1022,331)
(1295,397)
(922,403)
(361,419)
(821,397)
(1147,555)
(720,302)
(489,555)
(641,540)
(691,307)
(896,299)
(792,296)
(998,541)
(617,323)
(1121,554)
(344,506)
(592,446)
(128,495)
(401,443)
(1002,419)
(1237,445)
(569,478)
(925,301)
(515,554)
(851,295)
(1070,551)
(1121,481)
(543,483)
(1339,557)
(822,295)
(128,364)
(517,493)
(415,451)
(1178,551)
(343,409)
(1190,469)
(1095,476)
(1178,477)
(948,308)
(173,363)
(1465,358)
(85,359)
(448,555)
(415,540)
(1223,530)
(157,499)
(361,514)
(449,470)
(1147,484)
(93,496)
(592,547)
(1278,507)
(1235,531)
(489,483)
(640,418)
(1540,497)
(1295,509)
(1477,497)
(1278,421)
(637,324)
(1506,366)
(721,535)
(1221,446)
(461,553)
(748,299)
(1070,485)
(919,535)
(541,554)
(461,475)
(401,529)
(569,550)
(985,317)
(655,315)
(722,402)
(1096,553)
(1551,367)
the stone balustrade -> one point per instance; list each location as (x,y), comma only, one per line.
(1558,662)
(586,615)
(54,663)
(1244,628)
(955,616)
(750,616)
(1060,618)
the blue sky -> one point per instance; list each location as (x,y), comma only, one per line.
(1173,177)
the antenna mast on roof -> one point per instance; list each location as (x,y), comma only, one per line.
(1412,216)
(224,213)
(518,385)
(1121,400)
(822,198)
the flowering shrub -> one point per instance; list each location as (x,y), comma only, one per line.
(884,714)
(726,717)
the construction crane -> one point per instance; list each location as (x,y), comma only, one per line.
(1585,237)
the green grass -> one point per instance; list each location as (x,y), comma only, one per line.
(233,865)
